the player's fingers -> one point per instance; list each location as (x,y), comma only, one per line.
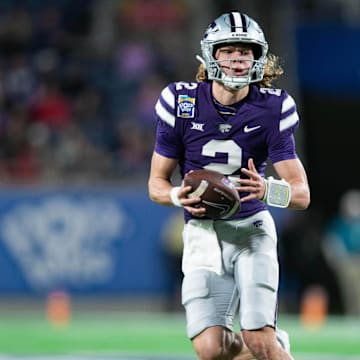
(248,197)
(249,173)
(252,175)
(184,190)
(185,201)
(250,189)
(199,212)
(251,165)
(247,182)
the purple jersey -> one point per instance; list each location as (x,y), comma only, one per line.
(191,130)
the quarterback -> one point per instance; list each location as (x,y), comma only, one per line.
(231,120)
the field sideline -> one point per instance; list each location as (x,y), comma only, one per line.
(140,335)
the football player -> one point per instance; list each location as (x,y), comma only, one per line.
(231,120)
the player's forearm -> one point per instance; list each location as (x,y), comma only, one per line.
(300,196)
(159,191)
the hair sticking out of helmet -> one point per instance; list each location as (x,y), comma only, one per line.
(228,29)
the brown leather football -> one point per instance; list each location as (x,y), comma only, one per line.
(218,195)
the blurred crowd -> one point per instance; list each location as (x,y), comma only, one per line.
(78,83)
(79,80)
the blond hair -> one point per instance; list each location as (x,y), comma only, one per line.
(272,70)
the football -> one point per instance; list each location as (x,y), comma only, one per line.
(218,194)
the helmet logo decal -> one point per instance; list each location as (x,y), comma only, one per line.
(213,28)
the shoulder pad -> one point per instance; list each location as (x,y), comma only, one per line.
(165,106)
(177,100)
(289,116)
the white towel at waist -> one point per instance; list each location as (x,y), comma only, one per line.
(201,247)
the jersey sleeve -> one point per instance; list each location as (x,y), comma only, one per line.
(168,142)
(282,141)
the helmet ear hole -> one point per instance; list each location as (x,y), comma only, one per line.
(256,50)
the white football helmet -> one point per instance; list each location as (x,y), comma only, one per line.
(228,28)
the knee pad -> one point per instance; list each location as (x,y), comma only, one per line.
(195,286)
(266,272)
(207,298)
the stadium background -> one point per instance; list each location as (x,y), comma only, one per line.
(81,245)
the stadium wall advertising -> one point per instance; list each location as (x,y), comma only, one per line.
(82,241)
(95,241)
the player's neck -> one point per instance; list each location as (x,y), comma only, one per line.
(227,96)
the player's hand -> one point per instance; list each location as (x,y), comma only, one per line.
(190,203)
(255,184)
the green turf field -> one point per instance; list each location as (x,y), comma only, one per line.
(154,333)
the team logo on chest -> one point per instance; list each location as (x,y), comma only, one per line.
(225,128)
(186,107)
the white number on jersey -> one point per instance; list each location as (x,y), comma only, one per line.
(271,91)
(228,147)
(182,84)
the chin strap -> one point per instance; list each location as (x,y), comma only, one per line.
(232,86)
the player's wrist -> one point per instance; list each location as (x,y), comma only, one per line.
(263,199)
(277,192)
(174,196)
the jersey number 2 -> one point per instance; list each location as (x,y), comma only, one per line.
(229,147)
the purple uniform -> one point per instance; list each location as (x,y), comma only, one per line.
(191,130)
